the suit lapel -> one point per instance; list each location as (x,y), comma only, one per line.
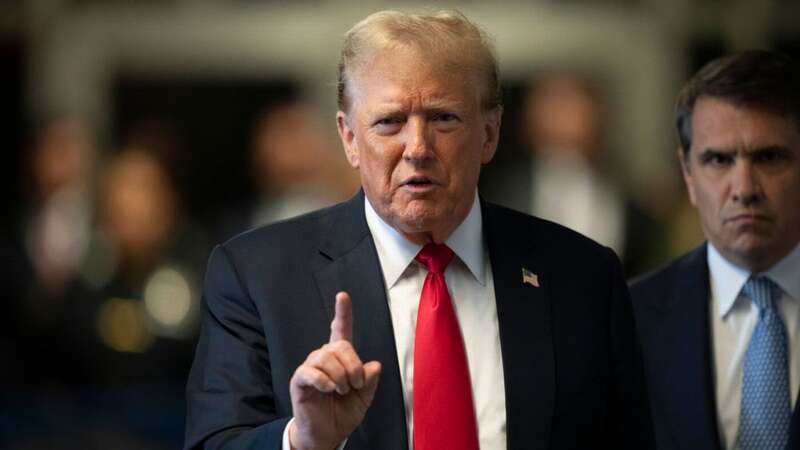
(354,267)
(524,317)
(686,358)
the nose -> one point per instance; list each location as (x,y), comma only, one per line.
(418,140)
(746,187)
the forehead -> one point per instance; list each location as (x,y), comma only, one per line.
(407,75)
(721,124)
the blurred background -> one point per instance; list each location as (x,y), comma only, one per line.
(138,134)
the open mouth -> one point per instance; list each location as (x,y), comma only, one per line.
(418,181)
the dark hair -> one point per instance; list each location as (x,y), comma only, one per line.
(752,78)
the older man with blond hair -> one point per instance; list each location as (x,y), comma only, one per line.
(416,315)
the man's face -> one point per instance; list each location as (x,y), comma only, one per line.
(418,137)
(743,176)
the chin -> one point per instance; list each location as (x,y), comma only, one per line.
(755,240)
(755,252)
(419,210)
(418,222)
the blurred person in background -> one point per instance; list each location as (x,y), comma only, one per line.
(720,326)
(136,312)
(288,157)
(109,313)
(44,255)
(560,178)
(125,342)
(58,227)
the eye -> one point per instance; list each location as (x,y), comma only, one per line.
(716,159)
(388,125)
(444,117)
(771,155)
(444,121)
(387,121)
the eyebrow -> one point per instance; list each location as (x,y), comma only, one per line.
(435,104)
(444,104)
(716,151)
(747,153)
(772,148)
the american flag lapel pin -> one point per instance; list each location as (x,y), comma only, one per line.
(530,278)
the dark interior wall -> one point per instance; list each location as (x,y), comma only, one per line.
(13,128)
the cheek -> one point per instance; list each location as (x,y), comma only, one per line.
(706,206)
(709,192)
(708,202)
(468,175)
(788,201)
(377,165)
(461,157)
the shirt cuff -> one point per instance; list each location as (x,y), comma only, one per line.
(287,446)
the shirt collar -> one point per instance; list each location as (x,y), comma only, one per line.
(727,279)
(786,273)
(466,241)
(396,252)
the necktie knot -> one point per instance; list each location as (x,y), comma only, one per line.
(435,257)
(761,291)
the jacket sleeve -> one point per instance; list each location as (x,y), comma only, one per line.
(632,425)
(230,398)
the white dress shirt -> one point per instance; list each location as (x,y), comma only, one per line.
(733,319)
(471,287)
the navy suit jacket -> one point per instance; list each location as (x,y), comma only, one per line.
(672,315)
(573,372)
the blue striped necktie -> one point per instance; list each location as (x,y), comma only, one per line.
(766,407)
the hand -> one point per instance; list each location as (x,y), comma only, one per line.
(332,390)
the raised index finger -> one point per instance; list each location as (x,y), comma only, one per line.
(342,325)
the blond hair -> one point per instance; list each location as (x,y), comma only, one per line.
(447,37)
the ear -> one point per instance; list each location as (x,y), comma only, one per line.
(348,138)
(687,174)
(492,120)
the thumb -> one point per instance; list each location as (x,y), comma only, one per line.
(372,373)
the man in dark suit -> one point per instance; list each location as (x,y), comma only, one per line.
(719,326)
(456,324)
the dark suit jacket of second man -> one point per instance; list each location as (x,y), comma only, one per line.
(672,314)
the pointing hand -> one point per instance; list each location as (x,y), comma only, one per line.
(332,390)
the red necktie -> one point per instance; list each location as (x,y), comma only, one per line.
(444,417)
